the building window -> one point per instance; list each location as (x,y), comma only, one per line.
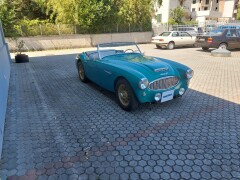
(217,1)
(199,9)
(193,9)
(159,18)
(216,8)
(205,8)
(194,1)
(207,2)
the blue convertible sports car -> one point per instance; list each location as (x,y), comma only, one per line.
(134,77)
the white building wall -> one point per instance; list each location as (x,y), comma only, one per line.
(164,10)
(166,7)
(188,5)
(4,82)
(228,9)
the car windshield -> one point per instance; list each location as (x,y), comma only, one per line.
(216,32)
(109,49)
(165,34)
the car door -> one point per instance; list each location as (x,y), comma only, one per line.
(187,39)
(232,39)
(90,69)
(104,75)
(176,38)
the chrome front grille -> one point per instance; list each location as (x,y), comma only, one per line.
(164,83)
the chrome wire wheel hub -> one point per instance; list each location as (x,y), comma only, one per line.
(123,95)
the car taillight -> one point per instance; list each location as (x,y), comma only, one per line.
(209,40)
(161,40)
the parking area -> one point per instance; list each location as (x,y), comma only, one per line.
(59,128)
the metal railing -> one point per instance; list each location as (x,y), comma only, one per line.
(65,29)
(205,27)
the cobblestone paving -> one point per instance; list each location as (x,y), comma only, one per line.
(60,128)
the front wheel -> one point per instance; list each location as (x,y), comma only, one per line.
(171,45)
(125,95)
(81,72)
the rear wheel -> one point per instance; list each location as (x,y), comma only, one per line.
(222,46)
(125,95)
(171,45)
(205,48)
(81,72)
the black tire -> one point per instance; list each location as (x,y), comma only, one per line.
(129,102)
(205,48)
(81,72)
(222,46)
(171,45)
(159,47)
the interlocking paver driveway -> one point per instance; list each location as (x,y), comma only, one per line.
(60,128)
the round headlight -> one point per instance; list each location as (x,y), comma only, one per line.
(181,91)
(189,73)
(157,97)
(143,84)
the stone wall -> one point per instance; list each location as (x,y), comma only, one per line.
(77,41)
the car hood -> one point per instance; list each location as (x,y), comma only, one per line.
(144,64)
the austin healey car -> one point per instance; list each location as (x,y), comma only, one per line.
(134,77)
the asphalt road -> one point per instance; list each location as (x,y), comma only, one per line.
(59,128)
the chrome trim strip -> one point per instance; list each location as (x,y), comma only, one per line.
(161,69)
(107,72)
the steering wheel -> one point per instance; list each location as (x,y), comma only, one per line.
(128,50)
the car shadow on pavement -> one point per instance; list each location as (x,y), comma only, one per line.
(182,47)
(58,127)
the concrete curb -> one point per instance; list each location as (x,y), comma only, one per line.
(221,53)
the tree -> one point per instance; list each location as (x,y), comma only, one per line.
(7,16)
(135,11)
(29,9)
(177,14)
(238,13)
(82,12)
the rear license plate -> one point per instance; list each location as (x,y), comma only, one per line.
(167,96)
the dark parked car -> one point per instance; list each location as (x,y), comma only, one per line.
(221,38)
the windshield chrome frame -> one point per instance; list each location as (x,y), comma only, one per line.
(132,43)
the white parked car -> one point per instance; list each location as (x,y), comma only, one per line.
(171,39)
